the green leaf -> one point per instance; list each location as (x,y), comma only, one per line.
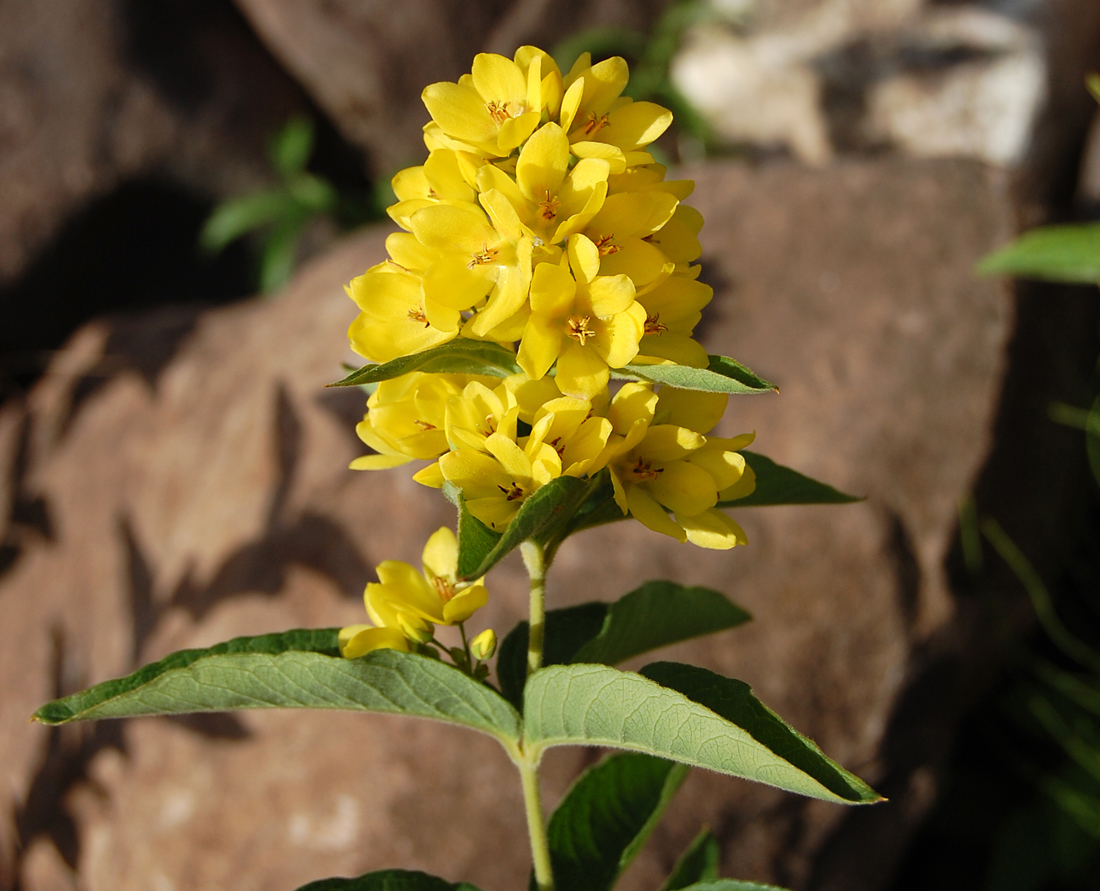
(655,615)
(731,885)
(388,880)
(460,356)
(292,145)
(280,252)
(543,512)
(1092,81)
(295,669)
(723,375)
(776,484)
(237,217)
(699,863)
(1055,253)
(606,817)
(686,714)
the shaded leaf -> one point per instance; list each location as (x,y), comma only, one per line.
(731,885)
(699,863)
(388,880)
(655,615)
(295,669)
(237,217)
(459,356)
(720,726)
(606,817)
(292,145)
(776,484)
(723,375)
(1055,253)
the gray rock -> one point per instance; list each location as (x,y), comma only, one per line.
(193,472)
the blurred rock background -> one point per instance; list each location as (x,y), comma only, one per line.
(172,473)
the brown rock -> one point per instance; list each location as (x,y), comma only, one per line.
(102,92)
(200,494)
(366,64)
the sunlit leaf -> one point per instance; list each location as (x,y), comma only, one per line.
(723,375)
(1055,253)
(461,356)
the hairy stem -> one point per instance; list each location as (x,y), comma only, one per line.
(536,826)
(534,558)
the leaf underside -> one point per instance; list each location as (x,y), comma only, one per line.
(686,714)
(296,669)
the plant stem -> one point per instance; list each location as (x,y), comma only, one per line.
(534,558)
(536,827)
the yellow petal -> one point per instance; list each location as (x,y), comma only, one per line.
(635,125)
(460,111)
(498,79)
(684,488)
(693,409)
(713,529)
(581,371)
(378,462)
(365,639)
(464,604)
(543,163)
(744,486)
(651,515)
(441,554)
(539,347)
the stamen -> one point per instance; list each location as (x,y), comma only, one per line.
(444,588)
(549,206)
(423,425)
(557,445)
(605,247)
(417,315)
(513,494)
(594,125)
(644,470)
(486,255)
(579,330)
(498,111)
(653,325)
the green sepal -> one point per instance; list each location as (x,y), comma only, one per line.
(776,484)
(542,516)
(388,880)
(607,816)
(459,356)
(654,615)
(685,714)
(722,375)
(1054,253)
(699,863)
(295,669)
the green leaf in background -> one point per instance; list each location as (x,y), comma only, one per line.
(295,669)
(1055,253)
(237,217)
(776,484)
(720,726)
(699,863)
(606,817)
(291,147)
(1093,84)
(731,885)
(281,251)
(543,511)
(460,356)
(723,375)
(655,615)
(388,880)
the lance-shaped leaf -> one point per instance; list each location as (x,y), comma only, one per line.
(655,615)
(776,484)
(544,512)
(606,817)
(296,669)
(699,863)
(731,885)
(389,880)
(1055,253)
(460,356)
(722,375)
(706,721)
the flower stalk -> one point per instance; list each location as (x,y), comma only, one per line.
(534,558)
(536,824)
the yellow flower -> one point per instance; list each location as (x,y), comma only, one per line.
(411,602)
(490,108)
(484,645)
(358,640)
(673,309)
(578,436)
(619,231)
(476,413)
(396,318)
(406,419)
(594,109)
(585,322)
(496,482)
(440,180)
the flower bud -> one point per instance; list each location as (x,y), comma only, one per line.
(484,645)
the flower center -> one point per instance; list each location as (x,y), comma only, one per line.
(644,470)
(605,247)
(593,124)
(515,493)
(548,207)
(480,258)
(653,325)
(578,329)
(417,315)
(423,425)
(444,588)
(498,111)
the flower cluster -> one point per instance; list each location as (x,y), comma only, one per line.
(540,223)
